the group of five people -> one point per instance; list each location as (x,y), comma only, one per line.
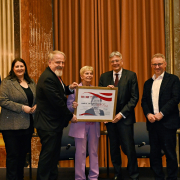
(46,104)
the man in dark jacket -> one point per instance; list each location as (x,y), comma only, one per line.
(52,114)
(120,130)
(160,105)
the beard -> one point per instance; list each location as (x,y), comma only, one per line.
(58,72)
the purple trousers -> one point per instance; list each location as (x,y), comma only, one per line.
(80,156)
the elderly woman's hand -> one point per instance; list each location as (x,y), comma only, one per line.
(74,105)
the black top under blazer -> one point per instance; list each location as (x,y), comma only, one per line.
(52,113)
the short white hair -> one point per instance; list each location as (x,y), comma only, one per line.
(86,68)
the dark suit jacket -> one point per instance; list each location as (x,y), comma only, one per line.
(91,112)
(169,95)
(52,113)
(128,93)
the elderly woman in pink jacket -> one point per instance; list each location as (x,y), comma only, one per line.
(84,132)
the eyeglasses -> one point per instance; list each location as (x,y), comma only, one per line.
(159,64)
(114,61)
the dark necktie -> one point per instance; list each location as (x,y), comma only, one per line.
(116,80)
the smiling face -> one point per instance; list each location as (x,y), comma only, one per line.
(86,77)
(158,64)
(116,63)
(57,64)
(19,69)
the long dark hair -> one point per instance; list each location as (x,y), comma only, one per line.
(12,75)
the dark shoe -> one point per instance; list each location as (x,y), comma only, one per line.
(117,178)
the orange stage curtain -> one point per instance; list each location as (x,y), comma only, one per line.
(87,31)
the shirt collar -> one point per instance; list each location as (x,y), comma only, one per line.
(119,73)
(161,76)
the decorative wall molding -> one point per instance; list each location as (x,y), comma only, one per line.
(172,33)
(6,36)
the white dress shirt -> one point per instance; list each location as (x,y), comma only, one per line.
(119,75)
(155,92)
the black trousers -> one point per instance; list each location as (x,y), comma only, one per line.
(121,134)
(161,138)
(49,156)
(16,150)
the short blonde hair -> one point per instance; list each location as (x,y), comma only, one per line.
(158,55)
(86,68)
(52,53)
(115,53)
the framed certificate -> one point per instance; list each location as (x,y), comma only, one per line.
(96,104)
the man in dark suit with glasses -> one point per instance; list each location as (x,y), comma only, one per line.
(160,105)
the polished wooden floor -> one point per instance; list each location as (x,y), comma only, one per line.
(68,174)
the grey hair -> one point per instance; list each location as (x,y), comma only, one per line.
(158,55)
(115,53)
(52,53)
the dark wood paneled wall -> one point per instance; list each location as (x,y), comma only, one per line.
(36,34)
(36,43)
(16,29)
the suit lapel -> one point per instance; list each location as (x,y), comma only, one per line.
(121,84)
(110,79)
(164,83)
(62,84)
(57,79)
(149,87)
(123,78)
(121,81)
(19,88)
(62,89)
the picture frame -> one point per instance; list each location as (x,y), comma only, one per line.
(95,104)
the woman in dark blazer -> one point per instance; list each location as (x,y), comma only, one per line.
(17,100)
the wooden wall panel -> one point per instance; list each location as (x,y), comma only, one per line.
(36,43)
(36,34)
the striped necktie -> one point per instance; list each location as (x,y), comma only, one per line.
(116,80)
